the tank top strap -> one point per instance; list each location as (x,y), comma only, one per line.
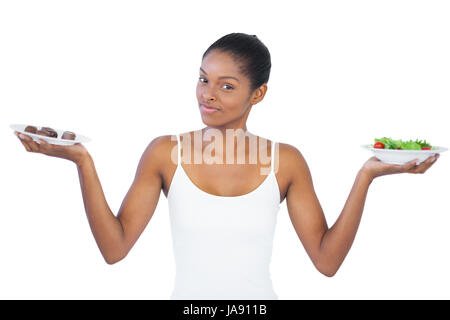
(272,155)
(179,149)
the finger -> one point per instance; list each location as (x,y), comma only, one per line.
(409,166)
(25,145)
(24,142)
(422,167)
(431,161)
(45,147)
(32,145)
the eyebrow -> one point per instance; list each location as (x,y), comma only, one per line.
(221,77)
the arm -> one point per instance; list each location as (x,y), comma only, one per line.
(115,236)
(328,247)
(335,242)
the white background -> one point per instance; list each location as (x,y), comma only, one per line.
(125,72)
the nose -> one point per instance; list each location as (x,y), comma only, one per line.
(209,98)
(208,95)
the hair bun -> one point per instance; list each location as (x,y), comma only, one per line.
(249,52)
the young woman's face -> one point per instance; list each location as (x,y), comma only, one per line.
(222,87)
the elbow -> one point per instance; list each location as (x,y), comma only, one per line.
(327,269)
(328,273)
(114,253)
(113,259)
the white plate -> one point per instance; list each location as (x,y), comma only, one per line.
(402,156)
(64,142)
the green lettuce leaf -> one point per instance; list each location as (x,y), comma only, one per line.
(404,145)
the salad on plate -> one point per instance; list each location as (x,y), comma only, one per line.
(393,151)
(388,143)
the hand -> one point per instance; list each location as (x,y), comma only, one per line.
(376,168)
(75,153)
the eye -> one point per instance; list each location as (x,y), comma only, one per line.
(229,86)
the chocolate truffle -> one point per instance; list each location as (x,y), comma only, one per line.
(51,132)
(43,133)
(31,129)
(68,135)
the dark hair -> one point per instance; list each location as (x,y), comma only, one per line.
(249,52)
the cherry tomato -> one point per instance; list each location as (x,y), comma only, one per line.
(379,145)
(426,148)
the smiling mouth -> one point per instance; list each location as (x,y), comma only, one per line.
(207,108)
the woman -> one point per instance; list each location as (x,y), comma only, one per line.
(223,216)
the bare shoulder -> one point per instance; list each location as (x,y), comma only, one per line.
(158,145)
(290,152)
(292,162)
(157,154)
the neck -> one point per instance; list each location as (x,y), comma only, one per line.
(223,130)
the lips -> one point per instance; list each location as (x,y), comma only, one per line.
(208,106)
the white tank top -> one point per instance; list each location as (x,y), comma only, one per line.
(222,244)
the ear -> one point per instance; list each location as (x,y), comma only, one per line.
(258,94)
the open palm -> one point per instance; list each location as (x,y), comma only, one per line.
(73,152)
(377,168)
